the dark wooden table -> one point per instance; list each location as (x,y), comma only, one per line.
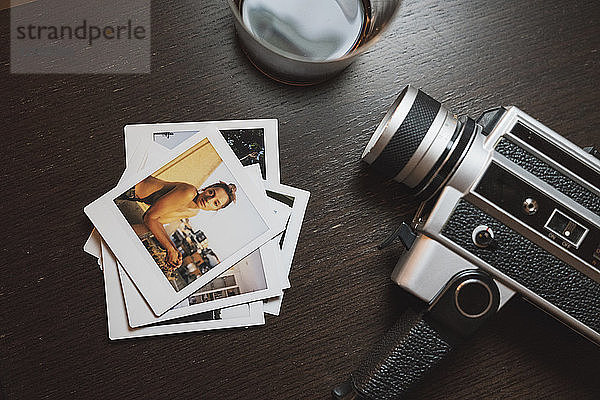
(63,148)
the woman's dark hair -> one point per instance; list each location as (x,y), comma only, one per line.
(229,189)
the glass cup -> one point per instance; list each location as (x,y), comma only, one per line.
(305,42)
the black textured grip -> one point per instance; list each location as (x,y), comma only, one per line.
(403,357)
(514,255)
(408,137)
(548,174)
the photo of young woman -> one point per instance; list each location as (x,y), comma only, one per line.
(172,201)
(180,213)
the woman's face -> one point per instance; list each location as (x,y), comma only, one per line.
(212,199)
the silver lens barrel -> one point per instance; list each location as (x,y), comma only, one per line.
(416,140)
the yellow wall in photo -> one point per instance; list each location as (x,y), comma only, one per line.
(193,166)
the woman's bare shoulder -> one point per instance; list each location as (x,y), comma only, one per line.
(186,188)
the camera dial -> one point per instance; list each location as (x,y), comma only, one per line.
(483,236)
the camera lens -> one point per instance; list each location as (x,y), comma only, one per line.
(418,142)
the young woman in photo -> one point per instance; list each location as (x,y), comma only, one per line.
(174,201)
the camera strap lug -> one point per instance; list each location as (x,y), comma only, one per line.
(402,233)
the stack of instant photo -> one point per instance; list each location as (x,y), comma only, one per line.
(198,234)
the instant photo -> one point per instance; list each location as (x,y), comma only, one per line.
(180,214)
(256,277)
(193,218)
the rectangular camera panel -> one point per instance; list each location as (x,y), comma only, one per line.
(547,173)
(556,154)
(512,194)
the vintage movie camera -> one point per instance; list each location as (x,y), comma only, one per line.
(509,207)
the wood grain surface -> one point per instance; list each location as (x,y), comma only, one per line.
(63,148)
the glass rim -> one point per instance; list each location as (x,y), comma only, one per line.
(353,53)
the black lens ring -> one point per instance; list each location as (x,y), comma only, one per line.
(405,141)
(467,134)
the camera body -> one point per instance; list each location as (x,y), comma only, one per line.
(509,207)
(538,196)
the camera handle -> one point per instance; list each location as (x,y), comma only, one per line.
(420,340)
